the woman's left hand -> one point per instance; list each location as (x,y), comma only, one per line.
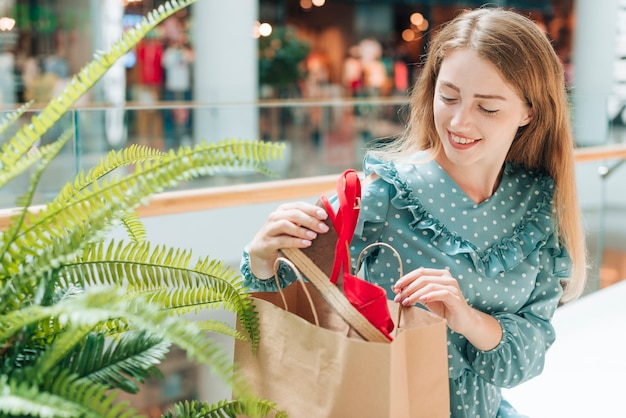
(440,293)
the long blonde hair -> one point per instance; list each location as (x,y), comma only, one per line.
(526,59)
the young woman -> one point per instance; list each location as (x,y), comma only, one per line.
(478,197)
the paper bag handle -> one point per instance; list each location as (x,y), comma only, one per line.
(400,270)
(334,296)
(344,220)
(300,279)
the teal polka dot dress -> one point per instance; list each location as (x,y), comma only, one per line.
(503,251)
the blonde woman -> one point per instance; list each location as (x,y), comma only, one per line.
(479,198)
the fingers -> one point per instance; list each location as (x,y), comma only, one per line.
(296,219)
(425,285)
(409,278)
(430,292)
(292,225)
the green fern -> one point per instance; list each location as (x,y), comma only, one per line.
(135,229)
(22,398)
(114,160)
(250,407)
(89,398)
(131,358)
(10,118)
(81,317)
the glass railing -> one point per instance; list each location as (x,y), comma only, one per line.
(321,137)
(603,200)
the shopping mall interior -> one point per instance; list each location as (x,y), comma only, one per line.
(328,78)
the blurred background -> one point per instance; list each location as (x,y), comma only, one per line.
(327,78)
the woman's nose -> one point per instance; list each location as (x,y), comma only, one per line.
(461,117)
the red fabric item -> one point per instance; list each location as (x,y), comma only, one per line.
(149,52)
(369,299)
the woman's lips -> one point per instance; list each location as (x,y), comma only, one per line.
(461,142)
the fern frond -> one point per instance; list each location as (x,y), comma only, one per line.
(135,229)
(106,202)
(114,328)
(114,365)
(10,262)
(220,327)
(38,272)
(11,117)
(64,343)
(12,168)
(164,276)
(114,160)
(91,399)
(249,407)
(100,304)
(47,156)
(20,398)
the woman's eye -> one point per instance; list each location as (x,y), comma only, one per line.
(488,111)
(446,99)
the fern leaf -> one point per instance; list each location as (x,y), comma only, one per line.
(71,336)
(220,327)
(165,277)
(114,160)
(21,281)
(10,118)
(18,398)
(104,303)
(9,236)
(250,407)
(131,357)
(109,201)
(12,167)
(91,399)
(135,229)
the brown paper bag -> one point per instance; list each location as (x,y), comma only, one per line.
(315,371)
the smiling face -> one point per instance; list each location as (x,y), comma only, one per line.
(476,112)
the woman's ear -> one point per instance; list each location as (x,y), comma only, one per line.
(527,116)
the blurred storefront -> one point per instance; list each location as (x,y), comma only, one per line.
(336,28)
(57,37)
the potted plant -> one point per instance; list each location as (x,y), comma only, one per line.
(82,317)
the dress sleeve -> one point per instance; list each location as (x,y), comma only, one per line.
(528,333)
(254,284)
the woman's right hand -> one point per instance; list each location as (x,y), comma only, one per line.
(292,225)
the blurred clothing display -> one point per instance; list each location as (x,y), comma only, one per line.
(177,63)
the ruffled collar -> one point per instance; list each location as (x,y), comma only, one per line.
(535,227)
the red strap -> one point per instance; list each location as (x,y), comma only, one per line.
(345,219)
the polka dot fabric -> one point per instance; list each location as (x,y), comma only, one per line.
(503,252)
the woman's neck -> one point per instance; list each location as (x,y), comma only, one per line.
(478,182)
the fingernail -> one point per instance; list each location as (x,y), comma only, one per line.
(306,243)
(311,234)
(323,227)
(321,213)
(397,298)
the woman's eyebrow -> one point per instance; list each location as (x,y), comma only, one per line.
(480,96)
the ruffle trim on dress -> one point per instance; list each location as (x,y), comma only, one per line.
(505,255)
(254,284)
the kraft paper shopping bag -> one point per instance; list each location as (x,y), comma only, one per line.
(327,370)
